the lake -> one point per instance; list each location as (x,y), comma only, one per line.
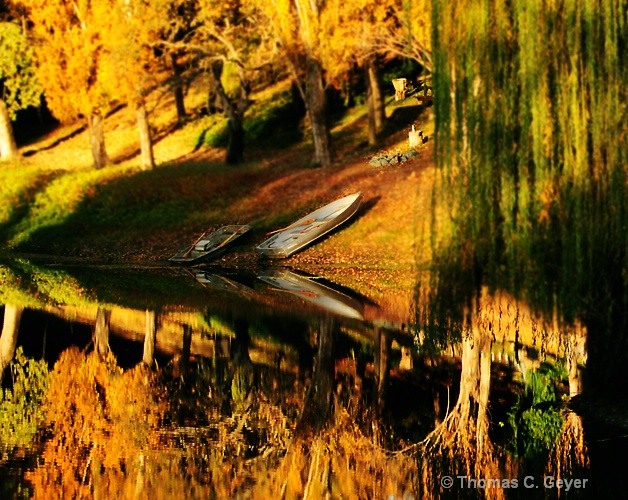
(272,383)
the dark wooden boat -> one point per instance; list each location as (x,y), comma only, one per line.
(210,245)
(285,242)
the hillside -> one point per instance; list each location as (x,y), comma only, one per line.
(63,210)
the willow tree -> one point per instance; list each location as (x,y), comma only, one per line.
(531,139)
(69,49)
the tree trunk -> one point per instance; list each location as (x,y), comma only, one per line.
(8,148)
(235,146)
(97,141)
(146,142)
(101,332)
(235,113)
(317,407)
(375,99)
(372,129)
(381,365)
(317,113)
(8,340)
(150,339)
(186,349)
(179,95)
(240,346)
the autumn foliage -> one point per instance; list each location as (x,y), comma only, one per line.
(100,418)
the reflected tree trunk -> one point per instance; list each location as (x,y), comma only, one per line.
(576,345)
(150,338)
(569,457)
(101,332)
(461,443)
(240,348)
(382,369)
(317,407)
(139,481)
(8,339)
(239,381)
(186,349)
(306,357)
(381,365)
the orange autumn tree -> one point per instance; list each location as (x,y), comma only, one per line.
(323,39)
(103,422)
(70,44)
(363,33)
(406,31)
(297,26)
(130,66)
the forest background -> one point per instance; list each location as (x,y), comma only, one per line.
(180,82)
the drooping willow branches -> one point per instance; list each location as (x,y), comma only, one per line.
(532,139)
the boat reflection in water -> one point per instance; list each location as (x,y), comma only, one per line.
(222,280)
(276,384)
(314,291)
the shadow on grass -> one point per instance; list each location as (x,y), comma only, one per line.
(22,207)
(135,206)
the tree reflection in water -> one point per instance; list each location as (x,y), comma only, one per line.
(305,406)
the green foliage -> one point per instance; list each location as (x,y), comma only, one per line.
(268,123)
(273,122)
(536,426)
(16,289)
(216,135)
(21,414)
(48,207)
(20,88)
(538,430)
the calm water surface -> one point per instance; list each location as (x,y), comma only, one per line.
(212,383)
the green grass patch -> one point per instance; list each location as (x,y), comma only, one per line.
(60,199)
(19,184)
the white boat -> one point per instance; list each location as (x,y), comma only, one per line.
(288,240)
(311,290)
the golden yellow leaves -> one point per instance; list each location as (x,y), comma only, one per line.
(100,416)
